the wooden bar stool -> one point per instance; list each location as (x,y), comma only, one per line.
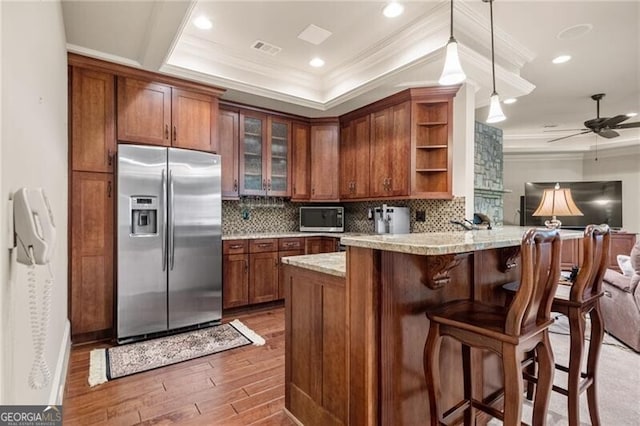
(582,298)
(509,332)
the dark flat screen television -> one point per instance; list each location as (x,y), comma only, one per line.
(600,201)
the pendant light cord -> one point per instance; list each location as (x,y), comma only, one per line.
(493,60)
(451,22)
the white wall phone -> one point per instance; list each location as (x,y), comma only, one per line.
(35,236)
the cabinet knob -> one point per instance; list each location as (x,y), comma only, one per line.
(246,266)
(264,184)
(268,184)
(235,185)
(175,133)
(313,191)
(166,131)
(109,157)
(109,189)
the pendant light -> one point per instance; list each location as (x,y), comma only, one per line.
(495,110)
(452,72)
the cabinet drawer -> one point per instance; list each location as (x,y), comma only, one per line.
(290,244)
(263,245)
(235,246)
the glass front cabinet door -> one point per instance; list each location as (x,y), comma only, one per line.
(264,155)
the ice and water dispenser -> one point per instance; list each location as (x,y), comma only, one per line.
(144,215)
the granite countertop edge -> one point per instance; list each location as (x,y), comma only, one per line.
(326,263)
(439,243)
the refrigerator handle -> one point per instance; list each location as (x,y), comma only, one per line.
(171,221)
(164,221)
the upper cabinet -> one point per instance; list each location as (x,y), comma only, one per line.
(300,162)
(160,114)
(389,151)
(399,147)
(92,105)
(229,146)
(324,162)
(354,158)
(265,147)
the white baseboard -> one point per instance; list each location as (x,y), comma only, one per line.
(60,375)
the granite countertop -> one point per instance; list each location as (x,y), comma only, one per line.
(436,243)
(327,263)
(293,234)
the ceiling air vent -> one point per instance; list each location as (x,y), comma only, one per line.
(265,47)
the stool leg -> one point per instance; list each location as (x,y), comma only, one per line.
(432,370)
(546,368)
(576,332)
(597,335)
(513,384)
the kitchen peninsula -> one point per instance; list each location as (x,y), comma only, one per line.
(356,324)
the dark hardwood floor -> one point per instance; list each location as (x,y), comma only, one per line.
(243,386)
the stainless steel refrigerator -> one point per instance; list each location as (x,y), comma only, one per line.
(169,240)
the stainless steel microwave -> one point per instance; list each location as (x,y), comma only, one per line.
(322,219)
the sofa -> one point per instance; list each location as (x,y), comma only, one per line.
(621,302)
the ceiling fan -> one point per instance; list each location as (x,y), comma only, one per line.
(602,126)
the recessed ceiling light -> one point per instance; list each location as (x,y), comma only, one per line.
(574,32)
(510,101)
(203,22)
(561,59)
(393,9)
(631,114)
(316,62)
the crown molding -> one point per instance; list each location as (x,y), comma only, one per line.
(73,48)
(538,156)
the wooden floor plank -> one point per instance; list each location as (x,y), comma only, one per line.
(237,387)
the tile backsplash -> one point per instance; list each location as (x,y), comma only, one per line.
(239,217)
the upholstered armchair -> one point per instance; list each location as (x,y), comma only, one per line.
(621,302)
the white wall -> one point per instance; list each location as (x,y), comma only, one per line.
(620,164)
(463,144)
(521,168)
(33,146)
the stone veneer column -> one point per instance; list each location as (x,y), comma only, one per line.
(488,177)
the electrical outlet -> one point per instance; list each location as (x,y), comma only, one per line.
(421,216)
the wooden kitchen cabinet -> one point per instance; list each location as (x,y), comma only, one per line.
(389,151)
(315,245)
(160,114)
(300,162)
(354,158)
(316,371)
(229,146)
(235,273)
(91,262)
(92,105)
(324,162)
(281,279)
(265,148)
(263,277)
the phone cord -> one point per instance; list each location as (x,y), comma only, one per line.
(40,375)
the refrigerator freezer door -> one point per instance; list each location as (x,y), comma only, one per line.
(195,245)
(142,278)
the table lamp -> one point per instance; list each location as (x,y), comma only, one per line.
(556,202)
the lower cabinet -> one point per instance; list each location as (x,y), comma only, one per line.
(263,277)
(252,271)
(91,262)
(316,390)
(315,245)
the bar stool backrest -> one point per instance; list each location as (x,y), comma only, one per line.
(539,275)
(588,283)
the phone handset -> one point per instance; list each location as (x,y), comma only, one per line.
(35,236)
(34,226)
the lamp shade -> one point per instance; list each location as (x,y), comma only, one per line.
(495,110)
(557,202)
(452,72)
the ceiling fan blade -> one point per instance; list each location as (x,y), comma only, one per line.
(613,121)
(607,133)
(628,125)
(564,130)
(565,137)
